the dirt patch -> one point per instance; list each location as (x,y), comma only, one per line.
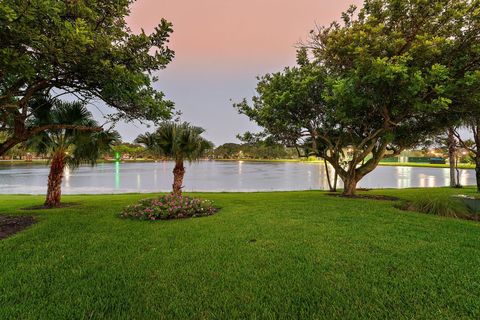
(12,225)
(473,217)
(365,196)
(42,207)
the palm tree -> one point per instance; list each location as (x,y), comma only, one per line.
(68,147)
(179,141)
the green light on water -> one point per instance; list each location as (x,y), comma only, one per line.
(117,175)
(117,156)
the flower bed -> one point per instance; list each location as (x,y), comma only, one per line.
(168,207)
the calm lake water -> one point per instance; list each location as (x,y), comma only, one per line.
(212,176)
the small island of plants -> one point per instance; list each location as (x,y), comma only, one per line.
(167,207)
(178,141)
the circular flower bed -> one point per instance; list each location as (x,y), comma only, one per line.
(169,207)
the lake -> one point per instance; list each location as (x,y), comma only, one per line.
(212,176)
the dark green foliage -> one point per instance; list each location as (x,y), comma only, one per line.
(84,48)
(247,151)
(377,83)
(133,151)
(84,144)
(178,141)
(254,146)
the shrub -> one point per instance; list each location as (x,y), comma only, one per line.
(440,206)
(168,207)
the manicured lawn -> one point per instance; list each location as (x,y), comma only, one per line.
(295,255)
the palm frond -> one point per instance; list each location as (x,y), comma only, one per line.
(177,140)
(89,147)
(80,146)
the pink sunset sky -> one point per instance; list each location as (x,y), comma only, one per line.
(221,46)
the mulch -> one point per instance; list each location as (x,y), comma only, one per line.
(11,225)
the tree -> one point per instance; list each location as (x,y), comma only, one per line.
(179,141)
(470,110)
(389,77)
(228,151)
(448,143)
(452,146)
(385,83)
(16,152)
(133,150)
(68,147)
(80,48)
(462,56)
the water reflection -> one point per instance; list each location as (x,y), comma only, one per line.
(427,181)
(214,176)
(117,175)
(240,173)
(139,181)
(446,177)
(466,176)
(155,173)
(404,177)
(66,176)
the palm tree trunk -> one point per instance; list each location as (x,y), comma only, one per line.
(178,174)
(55,177)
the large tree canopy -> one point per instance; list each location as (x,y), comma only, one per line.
(384,79)
(83,48)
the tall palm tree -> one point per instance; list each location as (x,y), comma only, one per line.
(179,141)
(68,147)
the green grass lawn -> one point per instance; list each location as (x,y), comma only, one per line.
(294,255)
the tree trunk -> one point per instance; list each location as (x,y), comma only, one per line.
(452,156)
(178,174)
(54,191)
(335,181)
(332,189)
(350,186)
(477,170)
(458,185)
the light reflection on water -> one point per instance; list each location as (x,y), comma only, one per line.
(213,176)
(404,177)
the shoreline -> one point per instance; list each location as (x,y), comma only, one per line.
(469,189)
(462,166)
